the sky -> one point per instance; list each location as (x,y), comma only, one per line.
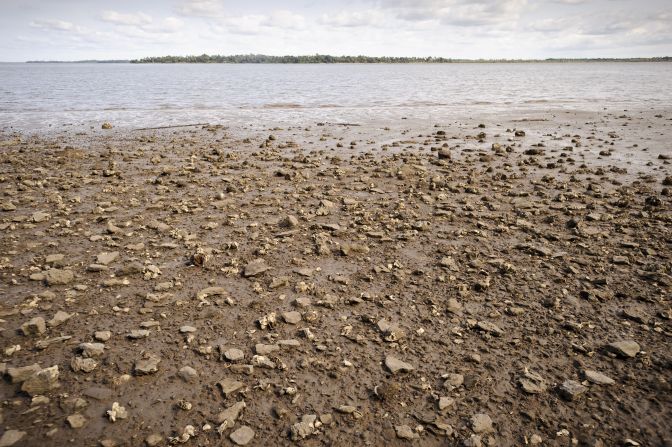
(126,29)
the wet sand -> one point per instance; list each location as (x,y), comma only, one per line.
(492,280)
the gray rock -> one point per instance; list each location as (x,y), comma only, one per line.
(138,333)
(76,420)
(289,222)
(81,364)
(57,277)
(35,326)
(624,348)
(263,349)
(230,386)
(148,365)
(395,365)
(292,317)
(102,335)
(481,423)
(60,318)
(234,355)
(231,414)
(91,349)
(21,374)
(188,374)
(598,378)
(11,437)
(572,390)
(303,429)
(256,267)
(491,328)
(242,436)
(106,258)
(532,383)
(405,432)
(153,440)
(41,382)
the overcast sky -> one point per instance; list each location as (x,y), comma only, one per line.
(122,29)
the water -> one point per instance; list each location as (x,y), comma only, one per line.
(35,97)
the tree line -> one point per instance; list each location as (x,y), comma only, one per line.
(328,59)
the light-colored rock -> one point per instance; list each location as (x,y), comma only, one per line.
(188,374)
(42,382)
(242,436)
(481,423)
(76,420)
(11,437)
(395,365)
(147,365)
(230,386)
(21,374)
(234,355)
(405,432)
(256,267)
(598,378)
(624,348)
(58,277)
(59,318)
(106,258)
(571,389)
(35,326)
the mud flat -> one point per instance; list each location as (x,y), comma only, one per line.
(493,281)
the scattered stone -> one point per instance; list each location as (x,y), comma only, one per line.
(256,267)
(292,317)
(56,277)
(234,355)
(35,326)
(303,429)
(395,365)
(11,437)
(102,335)
(80,364)
(188,374)
(624,348)
(242,436)
(289,222)
(107,258)
(138,333)
(147,365)
(42,381)
(76,421)
(229,416)
(117,412)
(263,349)
(230,386)
(481,423)
(21,374)
(598,378)
(571,389)
(405,432)
(60,318)
(532,383)
(153,440)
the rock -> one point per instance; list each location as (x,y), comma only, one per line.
(117,412)
(234,355)
(40,216)
(42,381)
(571,389)
(11,437)
(106,126)
(481,423)
(289,222)
(57,277)
(268,321)
(445,402)
(106,258)
(187,329)
(303,429)
(98,393)
(211,291)
(405,432)
(153,440)
(138,333)
(453,381)
(624,348)
(263,349)
(55,259)
(256,267)
(91,349)
(598,378)
(76,420)
(80,364)
(35,326)
(60,318)
(242,436)
(102,335)
(491,328)
(395,365)
(292,317)
(188,374)
(147,365)
(230,415)
(532,383)
(444,154)
(21,374)
(230,386)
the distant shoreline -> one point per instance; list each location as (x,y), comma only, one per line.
(327,59)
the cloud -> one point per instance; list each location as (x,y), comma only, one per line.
(137,19)
(353,19)
(142,22)
(55,25)
(201,8)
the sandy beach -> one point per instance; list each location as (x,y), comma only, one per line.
(496,280)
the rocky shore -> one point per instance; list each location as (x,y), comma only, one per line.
(491,282)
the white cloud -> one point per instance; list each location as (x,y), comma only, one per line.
(352,19)
(137,19)
(57,25)
(201,8)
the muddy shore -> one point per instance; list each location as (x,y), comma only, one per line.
(494,281)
